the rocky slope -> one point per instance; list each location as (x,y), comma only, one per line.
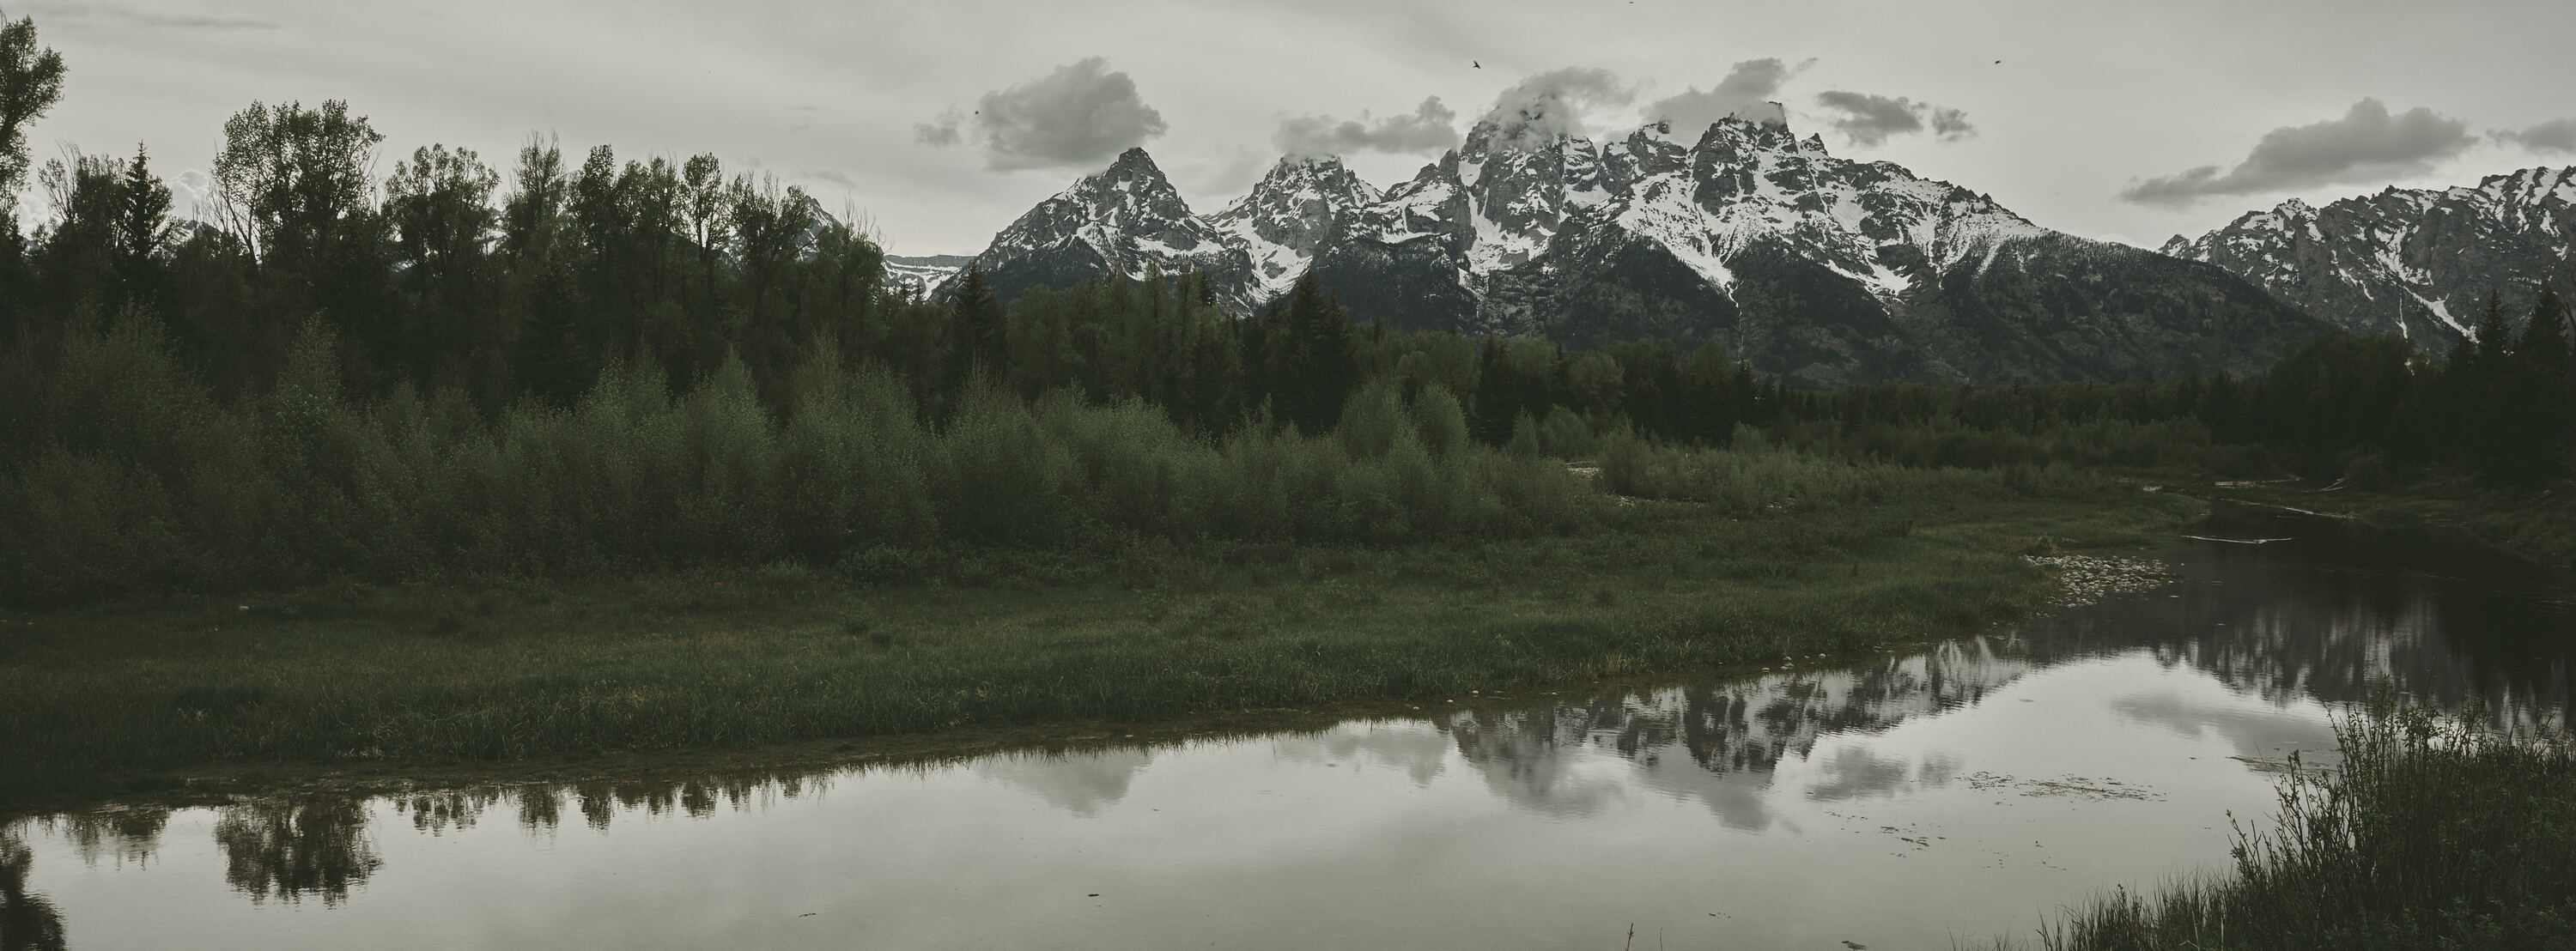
(2414,261)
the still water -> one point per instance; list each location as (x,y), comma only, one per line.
(1961,792)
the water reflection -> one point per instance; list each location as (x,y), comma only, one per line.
(1081,784)
(318,848)
(2319,619)
(27,921)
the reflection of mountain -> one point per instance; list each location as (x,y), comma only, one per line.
(276,850)
(1079,783)
(1679,737)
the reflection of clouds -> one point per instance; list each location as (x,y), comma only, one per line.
(2255,734)
(1414,747)
(1857,772)
(1080,783)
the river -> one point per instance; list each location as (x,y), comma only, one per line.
(1910,800)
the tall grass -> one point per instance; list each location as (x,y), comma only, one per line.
(2432,833)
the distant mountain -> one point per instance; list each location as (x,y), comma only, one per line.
(1817,268)
(2414,261)
(1121,221)
(917,275)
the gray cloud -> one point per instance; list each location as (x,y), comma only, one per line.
(132,17)
(2555,135)
(1430,128)
(1550,104)
(1869,119)
(1078,116)
(828,175)
(1751,82)
(2366,145)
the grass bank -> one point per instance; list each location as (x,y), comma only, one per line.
(2429,835)
(2537,524)
(138,697)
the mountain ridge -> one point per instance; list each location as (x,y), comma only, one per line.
(1825,270)
(2418,262)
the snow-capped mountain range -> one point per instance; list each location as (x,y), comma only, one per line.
(1819,268)
(2420,262)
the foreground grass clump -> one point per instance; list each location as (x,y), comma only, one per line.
(921,642)
(2432,833)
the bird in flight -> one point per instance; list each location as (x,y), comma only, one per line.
(1481,65)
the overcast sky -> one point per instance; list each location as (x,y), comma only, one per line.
(942,120)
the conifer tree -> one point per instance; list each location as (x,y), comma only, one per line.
(142,230)
(981,332)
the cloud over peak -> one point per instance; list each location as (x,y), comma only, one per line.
(1431,127)
(1077,116)
(1538,109)
(2367,145)
(1868,119)
(2555,135)
(1750,83)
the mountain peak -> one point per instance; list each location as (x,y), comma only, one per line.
(1133,164)
(1763,113)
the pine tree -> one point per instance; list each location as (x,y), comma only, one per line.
(142,231)
(2535,406)
(981,330)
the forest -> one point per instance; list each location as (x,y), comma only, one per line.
(653,361)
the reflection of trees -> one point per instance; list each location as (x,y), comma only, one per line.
(117,834)
(281,850)
(27,922)
(2341,609)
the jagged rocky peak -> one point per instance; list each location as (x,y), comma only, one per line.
(1131,190)
(1289,216)
(1125,220)
(1297,201)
